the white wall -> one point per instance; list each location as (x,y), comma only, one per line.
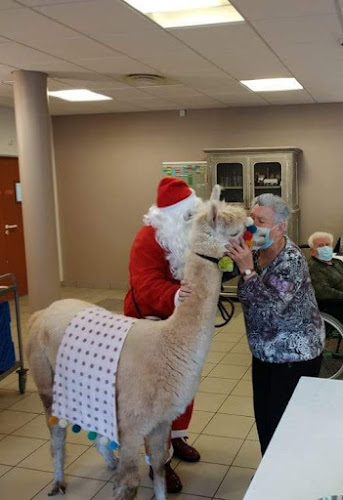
(8,136)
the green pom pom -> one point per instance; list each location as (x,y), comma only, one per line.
(92,435)
(225,264)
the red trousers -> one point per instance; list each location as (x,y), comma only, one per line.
(181,424)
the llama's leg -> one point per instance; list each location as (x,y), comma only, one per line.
(111,460)
(127,474)
(42,374)
(157,447)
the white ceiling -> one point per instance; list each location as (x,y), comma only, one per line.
(94,43)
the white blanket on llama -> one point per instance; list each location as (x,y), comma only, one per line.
(86,367)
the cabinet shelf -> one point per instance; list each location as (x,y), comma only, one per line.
(267,187)
(232,187)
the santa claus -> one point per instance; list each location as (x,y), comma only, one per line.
(156,285)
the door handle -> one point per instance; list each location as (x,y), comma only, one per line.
(11,226)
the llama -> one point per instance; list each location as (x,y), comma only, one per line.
(161,361)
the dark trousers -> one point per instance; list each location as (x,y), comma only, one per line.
(273,386)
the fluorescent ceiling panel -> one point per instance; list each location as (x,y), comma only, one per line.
(79,95)
(177,13)
(272,84)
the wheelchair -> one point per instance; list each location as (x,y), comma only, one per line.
(332,364)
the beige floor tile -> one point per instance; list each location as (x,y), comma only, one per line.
(31,403)
(238,405)
(91,465)
(215,357)
(41,459)
(4,469)
(23,484)
(185,496)
(218,450)
(12,420)
(206,401)
(207,368)
(2,436)
(235,484)
(247,375)
(253,433)
(228,337)
(13,449)
(241,348)
(199,421)
(107,493)
(229,426)
(192,437)
(37,428)
(30,385)
(8,380)
(10,397)
(228,371)
(201,478)
(217,385)
(78,488)
(243,388)
(249,455)
(237,359)
(222,346)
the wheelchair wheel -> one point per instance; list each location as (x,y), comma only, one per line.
(332,364)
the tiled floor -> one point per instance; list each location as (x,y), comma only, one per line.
(222,429)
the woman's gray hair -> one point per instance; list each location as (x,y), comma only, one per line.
(279,207)
(319,234)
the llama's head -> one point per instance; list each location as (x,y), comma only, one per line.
(215,223)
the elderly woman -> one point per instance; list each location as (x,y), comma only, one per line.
(284,327)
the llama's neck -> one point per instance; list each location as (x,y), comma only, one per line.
(188,332)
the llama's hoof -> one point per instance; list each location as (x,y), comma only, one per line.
(58,487)
(124,493)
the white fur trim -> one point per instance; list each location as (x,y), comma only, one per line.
(179,434)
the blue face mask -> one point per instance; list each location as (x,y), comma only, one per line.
(325,253)
(262,239)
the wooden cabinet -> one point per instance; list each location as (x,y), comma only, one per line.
(248,172)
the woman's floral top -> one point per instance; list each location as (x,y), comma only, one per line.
(281,313)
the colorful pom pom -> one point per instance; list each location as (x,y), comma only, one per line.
(92,435)
(252,228)
(104,440)
(249,243)
(225,264)
(53,420)
(76,428)
(63,423)
(113,446)
(247,235)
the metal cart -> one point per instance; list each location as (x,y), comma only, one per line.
(18,365)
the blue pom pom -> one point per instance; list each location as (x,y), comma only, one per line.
(252,229)
(113,445)
(76,428)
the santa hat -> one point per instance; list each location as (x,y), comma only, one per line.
(173,193)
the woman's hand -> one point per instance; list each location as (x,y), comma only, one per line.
(241,254)
(185,291)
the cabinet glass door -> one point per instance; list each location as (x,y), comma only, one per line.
(267,178)
(230,178)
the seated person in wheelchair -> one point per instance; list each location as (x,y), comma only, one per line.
(326,274)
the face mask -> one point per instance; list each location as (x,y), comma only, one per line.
(262,239)
(325,253)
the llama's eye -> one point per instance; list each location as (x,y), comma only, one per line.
(235,234)
(188,216)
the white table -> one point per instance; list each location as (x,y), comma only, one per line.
(304,460)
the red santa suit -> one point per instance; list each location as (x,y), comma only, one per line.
(155,267)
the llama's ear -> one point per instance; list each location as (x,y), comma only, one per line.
(212,214)
(215,195)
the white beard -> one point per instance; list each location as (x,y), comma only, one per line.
(172,234)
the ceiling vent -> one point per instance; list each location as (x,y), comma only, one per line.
(148,80)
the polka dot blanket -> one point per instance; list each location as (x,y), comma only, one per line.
(85,377)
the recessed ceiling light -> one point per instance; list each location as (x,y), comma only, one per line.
(177,13)
(79,95)
(272,84)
